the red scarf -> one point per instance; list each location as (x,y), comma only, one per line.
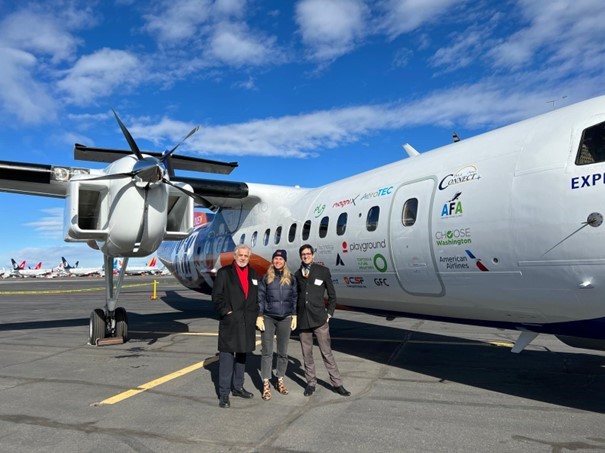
(242,273)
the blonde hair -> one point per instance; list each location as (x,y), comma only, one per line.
(286,276)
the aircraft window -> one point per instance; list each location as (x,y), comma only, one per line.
(207,247)
(323,226)
(592,145)
(292,233)
(306,230)
(242,238)
(277,235)
(408,215)
(266,236)
(341,224)
(253,241)
(227,246)
(372,219)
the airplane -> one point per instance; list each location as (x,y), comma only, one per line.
(77,271)
(504,229)
(20,271)
(101,206)
(150,269)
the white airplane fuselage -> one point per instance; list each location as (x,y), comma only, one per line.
(505,231)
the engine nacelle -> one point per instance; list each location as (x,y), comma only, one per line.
(126,220)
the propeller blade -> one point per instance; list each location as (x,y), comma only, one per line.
(199,200)
(167,155)
(129,139)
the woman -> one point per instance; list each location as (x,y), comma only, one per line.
(277,317)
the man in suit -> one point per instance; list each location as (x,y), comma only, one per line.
(234,296)
(313,281)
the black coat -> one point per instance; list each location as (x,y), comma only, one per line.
(312,310)
(237,330)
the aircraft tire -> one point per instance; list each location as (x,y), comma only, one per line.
(96,326)
(121,323)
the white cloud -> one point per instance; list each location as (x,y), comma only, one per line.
(49,226)
(38,33)
(331,28)
(305,135)
(403,16)
(568,36)
(33,41)
(21,94)
(464,49)
(217,30)
(99,74)
(232,44)
(178,21)
(230,8)
(246,84)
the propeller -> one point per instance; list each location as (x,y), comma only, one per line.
(148,171)
(133,146)
(167,154)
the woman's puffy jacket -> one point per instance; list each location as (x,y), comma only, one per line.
(276,300)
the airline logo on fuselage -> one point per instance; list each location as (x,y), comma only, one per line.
(452,208)
(579,182)
(466,174)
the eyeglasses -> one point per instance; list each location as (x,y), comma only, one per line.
(306,254)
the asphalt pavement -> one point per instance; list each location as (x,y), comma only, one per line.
(417,386)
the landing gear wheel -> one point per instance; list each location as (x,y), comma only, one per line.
(96,326)
(121,323)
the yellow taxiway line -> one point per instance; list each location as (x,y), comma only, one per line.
(61,291)
(162,380)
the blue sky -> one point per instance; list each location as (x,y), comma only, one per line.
(298,92)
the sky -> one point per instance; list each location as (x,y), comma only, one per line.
(301,92)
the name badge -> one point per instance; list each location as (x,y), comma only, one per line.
(318,282)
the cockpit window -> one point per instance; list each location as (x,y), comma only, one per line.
(592,145)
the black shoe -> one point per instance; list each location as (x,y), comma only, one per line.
(242,393)
(342,391)
(223,401)
(309,390)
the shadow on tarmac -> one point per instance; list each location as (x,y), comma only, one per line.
(574,380)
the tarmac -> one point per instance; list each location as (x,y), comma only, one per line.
(417,386)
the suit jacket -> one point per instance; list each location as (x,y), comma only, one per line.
(237,330)
(312,310)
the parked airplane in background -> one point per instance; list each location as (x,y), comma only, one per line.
(19,270)
(504,229)
(76,271)
(150,269)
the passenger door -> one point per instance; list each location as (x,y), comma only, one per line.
(410,232)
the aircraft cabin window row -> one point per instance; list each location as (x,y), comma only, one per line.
(592,145)
(341,227)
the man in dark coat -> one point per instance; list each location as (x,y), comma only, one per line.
(235,295)
(313,281)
